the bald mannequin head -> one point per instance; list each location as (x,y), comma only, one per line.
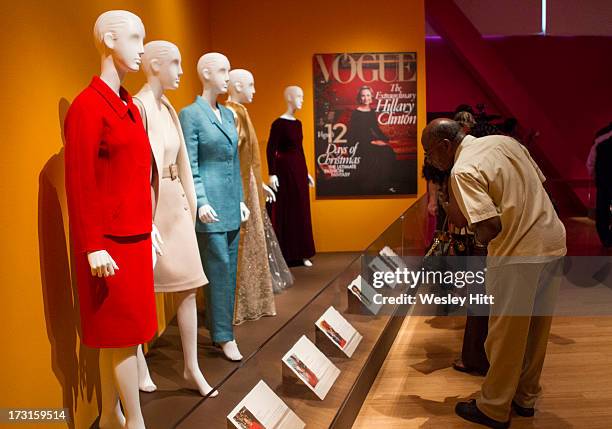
(162,61)
(440,140)
(294,96)
(120,34)
(213,70)
(241,86)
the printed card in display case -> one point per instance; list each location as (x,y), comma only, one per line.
(364,293)
(311,367)
(341,333)
(261,408)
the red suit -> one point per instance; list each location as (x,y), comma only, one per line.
(108,186)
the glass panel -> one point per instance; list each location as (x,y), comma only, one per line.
(405,236)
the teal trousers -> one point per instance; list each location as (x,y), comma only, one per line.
(219,254)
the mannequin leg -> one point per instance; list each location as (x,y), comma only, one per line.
(111,416)
(188,327)
(145,383)
(219,253)
(125,367)
(230,348)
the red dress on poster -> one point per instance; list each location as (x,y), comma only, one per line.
(291,212)
(108,187)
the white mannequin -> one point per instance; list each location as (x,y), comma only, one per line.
(242,90)
(118,36)
(162,66)
(213,70)
(294,97)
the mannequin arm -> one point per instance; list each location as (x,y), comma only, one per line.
(271,148)
(311,181)
(190,133)
(83,132)
(270,196)
(239,129)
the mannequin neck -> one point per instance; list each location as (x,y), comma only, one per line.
(289,113)
(156,88)
(110,74)
(210,96)
(236,98)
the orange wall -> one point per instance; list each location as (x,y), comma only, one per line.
(49,55)
(275,39)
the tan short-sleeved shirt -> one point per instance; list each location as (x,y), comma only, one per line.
(496,176)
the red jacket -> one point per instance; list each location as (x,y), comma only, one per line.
(108,167)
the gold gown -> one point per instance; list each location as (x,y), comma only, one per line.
(254,292)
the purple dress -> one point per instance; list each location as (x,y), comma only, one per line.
(291,212)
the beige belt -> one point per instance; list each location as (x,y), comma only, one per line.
(170,172)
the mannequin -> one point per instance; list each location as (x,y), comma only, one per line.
(179,269)
(254,291)
(212,145)
(111,218)
(289,177)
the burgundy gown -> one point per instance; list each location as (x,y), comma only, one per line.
(291,212)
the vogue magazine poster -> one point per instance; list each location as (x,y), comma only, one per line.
(365,124)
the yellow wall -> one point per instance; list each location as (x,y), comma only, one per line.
(48,55)
(275,39)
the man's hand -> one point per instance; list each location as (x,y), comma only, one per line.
(244,212)
(101,263)
(207,214)
(273,182)
(270,195)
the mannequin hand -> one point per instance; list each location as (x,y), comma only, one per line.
(311,181)
(244,212)
(273,182)
(157,241)
(101,263)
(154,256)
(270,196)
(207,214)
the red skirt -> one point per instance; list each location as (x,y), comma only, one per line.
(118,311)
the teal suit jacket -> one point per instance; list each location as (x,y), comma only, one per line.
(212,147)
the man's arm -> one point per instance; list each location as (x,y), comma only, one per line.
(487,230)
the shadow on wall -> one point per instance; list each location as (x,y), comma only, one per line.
(76,372)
